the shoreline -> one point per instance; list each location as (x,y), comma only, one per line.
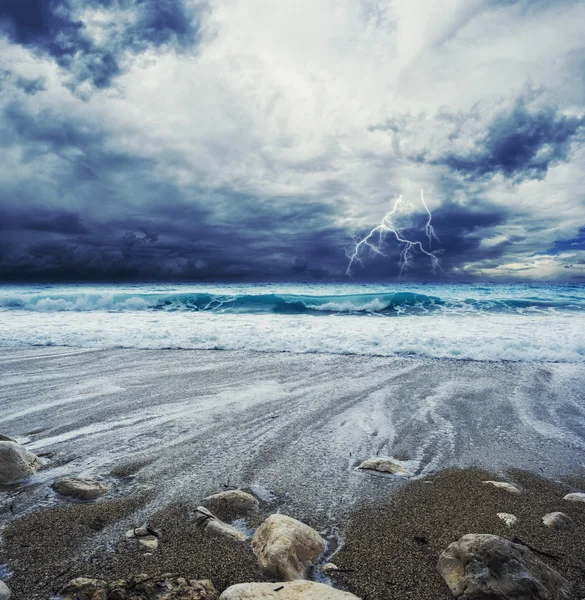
(388,550)
(165,429)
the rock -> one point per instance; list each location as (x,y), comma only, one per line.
(292,590)
(508,487)
(329,567)
(384,465)
(150,542)
(84,588)
(231,504)
(285,547)
(575,497)
(80,489)
(5,438)
(557,520)
(5,593)
(16,462)
(141,587)
(508,519)
(146,536)
(206,521)
(484,567)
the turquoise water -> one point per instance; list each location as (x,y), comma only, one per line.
(462,321)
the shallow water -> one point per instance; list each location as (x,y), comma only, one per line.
(293,425)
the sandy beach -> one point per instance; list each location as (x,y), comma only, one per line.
(166,428)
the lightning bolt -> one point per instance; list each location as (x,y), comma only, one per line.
(375,240)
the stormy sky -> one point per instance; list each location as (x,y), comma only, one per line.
(259,139)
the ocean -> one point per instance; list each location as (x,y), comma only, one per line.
(493,322)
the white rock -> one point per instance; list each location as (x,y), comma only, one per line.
(384,465)
(5,593)
(16,462)
(508,518)
(285,547)
(557,520)
(292,590)
(575,497)
(503,485)
(232,503)
(329,567)
(483,567)
(150,542)
(212,525)
(80,489)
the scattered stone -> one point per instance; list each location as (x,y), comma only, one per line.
(575,497)
(209,523)
(5,438)
(16,462)
(231,504)
(508,487)
(141,587)
(483,567)
(84,588)
(80,489)
(5,593)
(329,567)
(508,519)
(557,520)
(146,536)
(285,547)
(384,465)
(292,590)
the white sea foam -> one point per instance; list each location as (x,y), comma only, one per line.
(496,336)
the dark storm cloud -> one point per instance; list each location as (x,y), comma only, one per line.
(57,27)
(520,143)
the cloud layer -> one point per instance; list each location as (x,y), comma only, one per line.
(149,139)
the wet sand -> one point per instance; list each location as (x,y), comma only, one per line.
(166,428)
(388,551)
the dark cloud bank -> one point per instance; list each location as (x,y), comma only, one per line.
(107,217)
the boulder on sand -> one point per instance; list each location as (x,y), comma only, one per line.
(484,567)
(575,497)
(16,462)
(503,485)
(209,523)
(79,488)
(285,547)
(384,465)
(163,587)
(231,504)
(5,593)
(557,520)
(292,590)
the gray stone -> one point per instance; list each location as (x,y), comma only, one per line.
(509,519)
(285,547)
(209,523)
(5,593)
(384,465)
(163,587)
(79,488)
(292,590)
(557,520)
(16,463)
(231,504)
(575,497)
(5,438)
(485,567)
(503,485)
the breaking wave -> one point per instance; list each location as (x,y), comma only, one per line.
(388,304)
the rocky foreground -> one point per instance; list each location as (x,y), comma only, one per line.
(461,534)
